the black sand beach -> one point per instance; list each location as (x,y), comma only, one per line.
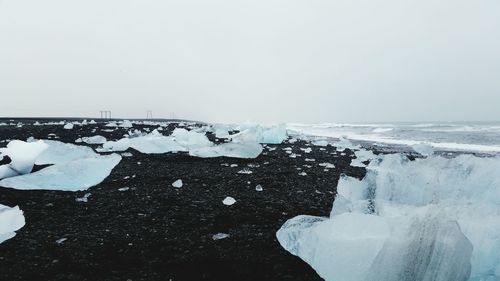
(154,231)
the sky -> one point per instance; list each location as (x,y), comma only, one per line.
(264,61)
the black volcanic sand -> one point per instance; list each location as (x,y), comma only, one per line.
(154,231)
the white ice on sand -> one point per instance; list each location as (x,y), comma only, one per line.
(23,156)
(432,219)
(423,149)
(228,201)
(190,139)
(246,144)
(11,220)
(75,175)
(177,184)
(153,143)
(220,236)
(94,139)
(59,152)
(68,126)
(74,167)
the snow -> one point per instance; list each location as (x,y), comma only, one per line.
(177,183)
(68,126)
(79,174)
(430,219)
(228,201)
(23,156)
(11,220)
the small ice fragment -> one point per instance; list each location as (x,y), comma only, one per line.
(177,183)
(245,171)
(259,188)
(127,154)
(306,150)
(327,165)
(234,165)
(84,199)
(60,241)
(123,189)
(228,201)
(310,160)
(220,236)
(303,174)
(68,126)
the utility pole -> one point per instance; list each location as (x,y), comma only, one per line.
(105,114)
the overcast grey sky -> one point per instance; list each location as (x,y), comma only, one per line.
(263,61)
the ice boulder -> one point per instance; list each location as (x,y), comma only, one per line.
(150,144)
(126,124)
(23,156)
(11,220)
(261,134)
(59,152)
(68,126)
(423,149)
(273,134)
(74,175)
(94,139)
(236,150)
(190,139)
(430,219)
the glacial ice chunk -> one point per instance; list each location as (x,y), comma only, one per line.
(228,201)
(236,150)
(23,156)
(150,144)
(11,220)
(59,152)
(177,184)
(75,175)
(429,219)
(68,126)
(94,139)
(423,149)
(190,139)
